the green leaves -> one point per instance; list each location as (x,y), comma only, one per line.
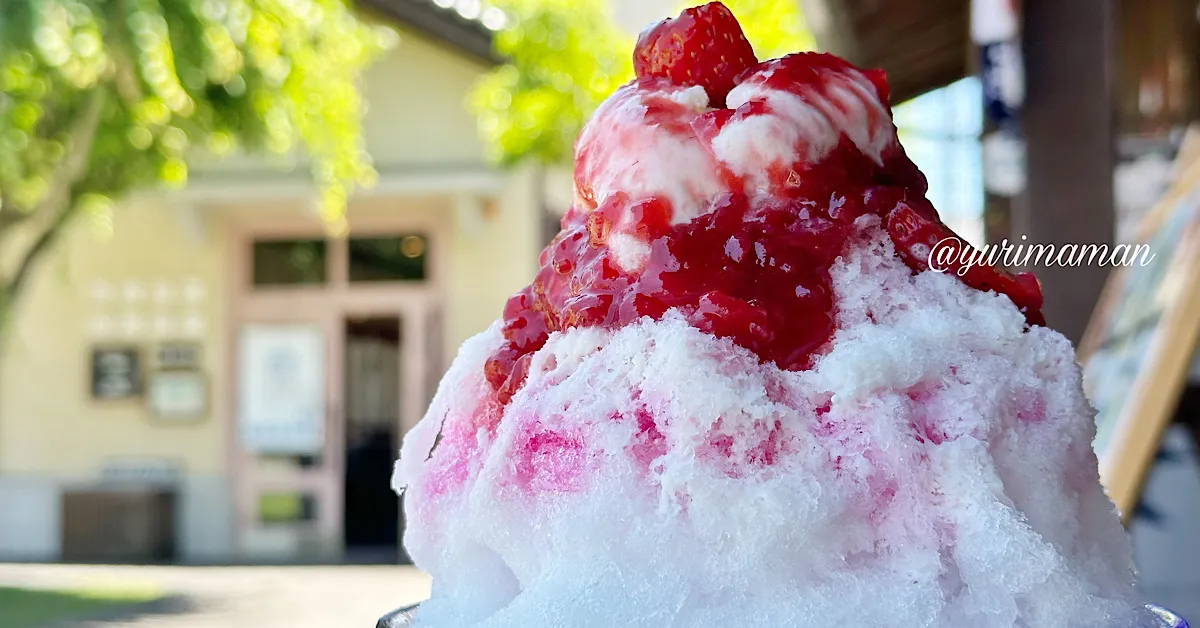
(98,97)
(182,76)
(564,57)
(774,28)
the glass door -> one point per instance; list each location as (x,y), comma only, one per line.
(332,360)
(286,433)
(372,390)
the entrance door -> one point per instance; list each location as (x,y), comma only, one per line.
(372,408)
(288,437)
(334,348)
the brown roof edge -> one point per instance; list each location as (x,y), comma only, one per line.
(921,44)
(446,26)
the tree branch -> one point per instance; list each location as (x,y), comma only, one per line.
(56,208)
(10,215)
(47,237)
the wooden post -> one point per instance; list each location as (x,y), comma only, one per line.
(1068,126)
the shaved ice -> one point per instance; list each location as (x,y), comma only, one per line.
(736,395)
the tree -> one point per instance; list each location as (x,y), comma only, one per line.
(102,97)
(564,57)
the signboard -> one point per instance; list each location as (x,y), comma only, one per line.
(282,389)
(116,373)
(178,395)
(140,471)
(1140,342)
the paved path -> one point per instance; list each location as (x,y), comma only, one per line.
(237,597)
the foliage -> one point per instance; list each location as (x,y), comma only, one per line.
(100,97)
(774,28)
(564,57)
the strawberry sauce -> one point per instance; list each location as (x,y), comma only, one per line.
(754,270)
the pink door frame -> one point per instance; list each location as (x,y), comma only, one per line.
(327,307)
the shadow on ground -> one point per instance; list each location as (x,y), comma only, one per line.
(170,605)
(36,608)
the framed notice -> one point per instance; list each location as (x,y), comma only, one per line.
(178,395)
(281,388)
(1140,341)
(116,373)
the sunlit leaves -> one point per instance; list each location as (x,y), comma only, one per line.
(563,57)
(774,28)
(180,76)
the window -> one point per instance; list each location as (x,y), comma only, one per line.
(274,508)
(289,262)
(388,258)
(940,132)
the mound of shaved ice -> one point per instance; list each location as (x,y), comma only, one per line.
(933,469)
(735,396)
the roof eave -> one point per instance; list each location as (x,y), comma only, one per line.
(445,26)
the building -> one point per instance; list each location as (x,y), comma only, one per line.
(205,382)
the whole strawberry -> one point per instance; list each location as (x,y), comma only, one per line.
(704,46)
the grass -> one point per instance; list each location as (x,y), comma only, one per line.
(27,608)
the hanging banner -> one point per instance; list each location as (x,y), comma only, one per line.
(996,32)
(1003,78)
(995,29)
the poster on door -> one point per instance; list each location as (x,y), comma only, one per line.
(281,405)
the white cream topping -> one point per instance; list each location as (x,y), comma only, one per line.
(620,151)
(804,126)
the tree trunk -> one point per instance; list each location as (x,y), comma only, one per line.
(51,216)
(58,207)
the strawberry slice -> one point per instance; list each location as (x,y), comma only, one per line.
(919,238)
(704,46)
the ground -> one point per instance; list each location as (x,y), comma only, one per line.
(216,597)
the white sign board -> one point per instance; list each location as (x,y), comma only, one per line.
(282,389)
(157,471)
(179,395)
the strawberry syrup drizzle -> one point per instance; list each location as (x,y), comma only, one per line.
(758,273)
(758,276)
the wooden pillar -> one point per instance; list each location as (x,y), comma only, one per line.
(1068,126)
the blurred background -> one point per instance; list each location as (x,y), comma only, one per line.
(241,240)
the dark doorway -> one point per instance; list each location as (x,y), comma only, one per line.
(372,401)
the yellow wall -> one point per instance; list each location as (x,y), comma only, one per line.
(48,421)
(487,268)
(415,112)
(415,106)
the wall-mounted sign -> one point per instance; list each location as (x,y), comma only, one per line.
(281,376)
(116,373)
(178,395)
(179,355)
(159,471)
